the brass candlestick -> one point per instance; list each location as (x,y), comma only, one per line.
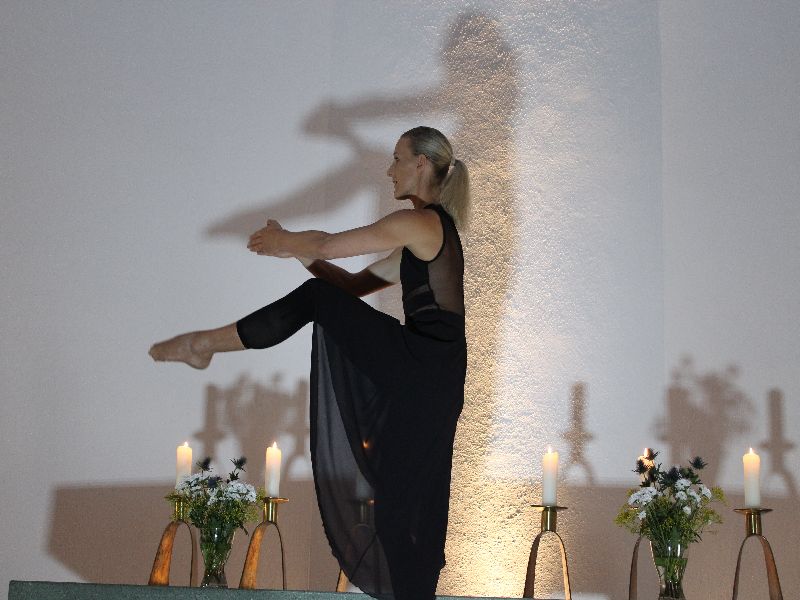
(548,525)
(250,570)
(364,525)
(159,574)
(752,523)
(633,578)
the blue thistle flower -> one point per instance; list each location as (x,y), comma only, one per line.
(671,476)
(697,463)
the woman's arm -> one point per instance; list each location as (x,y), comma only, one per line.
(419,230)
(377,276)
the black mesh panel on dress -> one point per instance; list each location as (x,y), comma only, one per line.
(437,284)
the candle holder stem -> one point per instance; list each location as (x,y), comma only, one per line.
(363,530)
(633,578)
(549,523)
(250,570)
(159,574)
(753,529)
(549,519)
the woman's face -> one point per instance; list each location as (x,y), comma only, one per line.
(406,170)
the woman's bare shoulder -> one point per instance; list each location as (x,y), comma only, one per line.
(414,216)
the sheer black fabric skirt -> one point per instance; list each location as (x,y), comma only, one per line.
(385,399)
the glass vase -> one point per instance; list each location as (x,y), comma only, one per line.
(215,546)
(670,561)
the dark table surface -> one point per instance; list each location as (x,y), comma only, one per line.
(50,590)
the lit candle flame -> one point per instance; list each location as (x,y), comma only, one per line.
(751,451)
(274,444)
(186,444)
(549,449)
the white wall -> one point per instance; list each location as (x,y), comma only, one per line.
(731,141)
(634,173)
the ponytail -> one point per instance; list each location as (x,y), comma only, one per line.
(454,195)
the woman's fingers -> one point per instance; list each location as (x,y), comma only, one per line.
(258,242)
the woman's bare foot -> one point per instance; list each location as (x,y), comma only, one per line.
(187,348)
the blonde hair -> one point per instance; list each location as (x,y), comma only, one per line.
(450,174)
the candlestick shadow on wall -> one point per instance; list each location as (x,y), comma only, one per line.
(777,447)
(577,436)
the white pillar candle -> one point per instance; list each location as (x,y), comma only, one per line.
(272,474)
(549,477)
(752,491)
(183,463)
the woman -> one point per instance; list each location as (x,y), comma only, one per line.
(385,397)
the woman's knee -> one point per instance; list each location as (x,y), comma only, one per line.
(320,290)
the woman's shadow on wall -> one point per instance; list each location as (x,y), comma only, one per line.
(480,94)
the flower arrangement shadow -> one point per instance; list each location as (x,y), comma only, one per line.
(217,507)
(671,509)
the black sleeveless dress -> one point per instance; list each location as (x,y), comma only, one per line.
(385,399)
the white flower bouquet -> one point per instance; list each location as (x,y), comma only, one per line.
(671,509)
(216,502)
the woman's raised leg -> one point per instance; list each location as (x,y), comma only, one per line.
(265,327)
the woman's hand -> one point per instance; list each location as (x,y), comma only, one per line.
(265,241)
